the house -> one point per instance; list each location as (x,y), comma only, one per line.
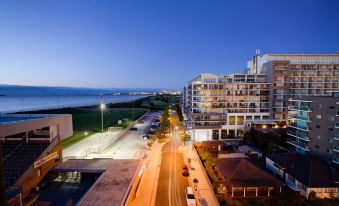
(304,174)
(241,177)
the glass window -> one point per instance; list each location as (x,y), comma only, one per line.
(337,124)
(318,116)
(215,134)
(232,120)
(240,120)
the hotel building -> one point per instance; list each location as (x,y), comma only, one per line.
(221,107)
(293,75)
(313,126)
(218,107)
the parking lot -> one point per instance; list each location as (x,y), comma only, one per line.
(132,145)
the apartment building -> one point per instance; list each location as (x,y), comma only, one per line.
(313,126)
(218,107)
(293,75)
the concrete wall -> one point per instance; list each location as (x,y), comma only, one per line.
(63,122)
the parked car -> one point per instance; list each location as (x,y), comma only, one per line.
(184,166)
(185,172)
(190,199)
(146,136)
(134,128)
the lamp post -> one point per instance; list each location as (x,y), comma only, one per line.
(102,107)
(195,181)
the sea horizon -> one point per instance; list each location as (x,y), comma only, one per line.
(25,98)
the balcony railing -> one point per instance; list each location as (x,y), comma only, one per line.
(336,160)
(298,144)
(299,135)
(294,125)
(336,148)
(299,108)
(299,117)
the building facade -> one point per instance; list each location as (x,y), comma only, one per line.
(313,126)
(292,75)
(218,107)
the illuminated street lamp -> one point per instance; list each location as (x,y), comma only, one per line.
(102,107)
(195,181)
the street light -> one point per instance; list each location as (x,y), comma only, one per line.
(195,181)
(102,107)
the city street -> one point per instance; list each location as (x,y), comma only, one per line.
(171,184)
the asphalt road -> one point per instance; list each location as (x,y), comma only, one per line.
(171,184)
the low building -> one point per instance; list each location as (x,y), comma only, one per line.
(249,150)
(304,174)
(241,177)
(115,182)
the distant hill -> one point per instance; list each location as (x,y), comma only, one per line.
(17,90)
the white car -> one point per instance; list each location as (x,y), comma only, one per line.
(190,199)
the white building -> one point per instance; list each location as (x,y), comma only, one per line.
(218,107)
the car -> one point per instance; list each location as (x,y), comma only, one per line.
(146,136)
(134,128)
(190,199)
(185,172)
(141,121)
(184,166)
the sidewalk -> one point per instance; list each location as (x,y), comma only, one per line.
(205,191)
(147,191)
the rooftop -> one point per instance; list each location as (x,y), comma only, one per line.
(15,118)
(306,170)
(112,186)
(243,172)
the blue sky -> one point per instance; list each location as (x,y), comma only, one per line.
(162,44)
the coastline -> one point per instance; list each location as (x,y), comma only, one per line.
(78,105)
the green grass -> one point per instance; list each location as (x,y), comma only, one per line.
(90,121)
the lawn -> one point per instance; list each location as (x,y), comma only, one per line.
(156,103)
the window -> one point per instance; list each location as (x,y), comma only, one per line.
(232,120)
(223,134)
(317,126)
(316,146)
(215,134)
(319,106)
(337,125)
(337,113)
(318,137)
(331,107)
(318,116)
(331,129)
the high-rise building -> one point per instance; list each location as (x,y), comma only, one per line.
(292,75)
(218,107)
(313,126)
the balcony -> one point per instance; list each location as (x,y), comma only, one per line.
(207,126)
(336,148)
(336,160)
(308,109)
(299,117)
(296,126)
(299,135)
(298,144)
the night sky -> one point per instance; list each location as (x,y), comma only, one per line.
(153,44)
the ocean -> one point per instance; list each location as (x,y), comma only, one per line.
(19,98)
